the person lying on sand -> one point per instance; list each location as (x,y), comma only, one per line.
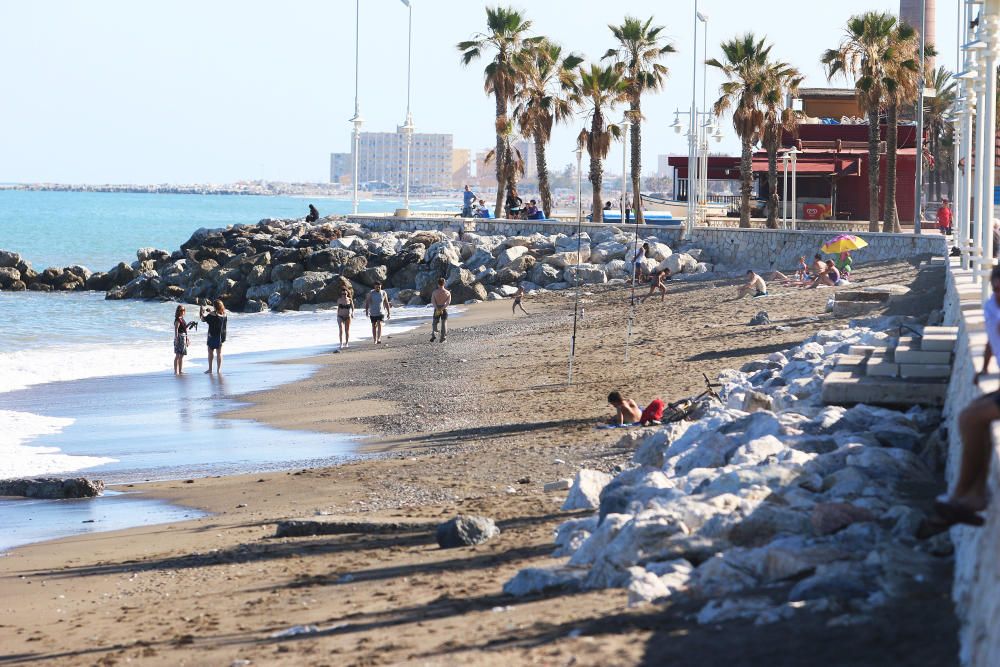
(657,284)
(626,410)
(801,274)
(755,285)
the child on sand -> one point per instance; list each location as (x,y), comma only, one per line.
(626,411)
(657,284)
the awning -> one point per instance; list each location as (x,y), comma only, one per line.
(810,168)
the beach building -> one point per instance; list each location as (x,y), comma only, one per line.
(461,167)
(663,168)
(831,173)
(382,161)
(486,171)
(341,168)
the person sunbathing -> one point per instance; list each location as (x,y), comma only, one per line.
(830,277)
(626,410)
(755,285)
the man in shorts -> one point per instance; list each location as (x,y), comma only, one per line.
(440,300)
(377,309)
(754,286)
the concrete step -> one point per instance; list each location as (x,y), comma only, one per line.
(925,370)
(940,331)
(880,366)
(904,354)
(938,342)
(846,388)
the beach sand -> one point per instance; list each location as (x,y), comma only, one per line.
(474,426)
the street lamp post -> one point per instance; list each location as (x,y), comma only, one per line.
(794,153)
(784,190)
(626,124)
(356,120)
(705,128)
(988,120)
(979,152)
(408,126)
(693,133)
(919,181)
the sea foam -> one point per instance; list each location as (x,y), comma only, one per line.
(20,460)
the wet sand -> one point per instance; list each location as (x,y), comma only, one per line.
(476,425)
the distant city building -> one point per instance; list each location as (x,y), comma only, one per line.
(909,12)
(341,166)
(461,167)
(382,161)
(663,168)
(486,172)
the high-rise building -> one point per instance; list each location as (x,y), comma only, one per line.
(382,161)
(486,172)
(909,12)
(461,167)
(663,168)
(341,166)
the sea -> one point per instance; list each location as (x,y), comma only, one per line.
(87,387)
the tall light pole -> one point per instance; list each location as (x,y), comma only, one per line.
(988,120)
(626,124)
(919,181)
(794,154)
(693,133)
(408,126)
(784,190)
(978,152)
(579,184)
(357,120)
(704,128)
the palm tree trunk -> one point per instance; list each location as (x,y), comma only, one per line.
(511,168)
(873,170)
(636,132)
(891,223)
(596,176)
(772,182)
(544,192)
(746,181)
(500,157)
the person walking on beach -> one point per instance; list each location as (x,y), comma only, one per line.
(440,299)
(468,199)
(377,309)
(216,320)
(657,284)
(345,313)
(180,340)
(313,214)
(518,295)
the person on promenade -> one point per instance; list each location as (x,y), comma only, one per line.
(754,284)
(180,340)
(216,320)
(440,300)
(483,211)
(970,495)
(944,217)
(345,313)
(468,199)
(518,295)
(377,309)
(657,284)
(313,214)
(626,410)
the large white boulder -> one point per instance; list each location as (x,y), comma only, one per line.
(679,263)
(586,273)
(586,491)
(605,252)
(508,255)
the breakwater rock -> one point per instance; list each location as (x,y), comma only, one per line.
(52,488)
(294,265)
(767,503)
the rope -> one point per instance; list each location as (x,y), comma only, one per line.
(576,304)
(631,317)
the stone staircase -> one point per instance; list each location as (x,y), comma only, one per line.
(905,370)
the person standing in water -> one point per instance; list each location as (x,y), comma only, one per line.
(180,340)
(345,313)
(440,300)
(216,320)
(377,309)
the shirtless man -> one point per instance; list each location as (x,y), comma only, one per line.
(518,296)
(626,410)
(440,299)
(755,285)
(377,309)
(657,284)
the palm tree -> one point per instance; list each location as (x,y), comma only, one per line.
(544,95)
(902,84)
(940,131)
(640,47)
(861,56)
(598,90)
(746,67)
(782,79)
(505,34)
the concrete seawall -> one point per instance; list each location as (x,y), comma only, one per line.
(759,249)
(976,590)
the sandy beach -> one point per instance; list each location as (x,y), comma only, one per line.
(474,426)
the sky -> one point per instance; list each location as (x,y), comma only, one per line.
(196,91)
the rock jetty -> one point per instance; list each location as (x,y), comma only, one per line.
(768,504)
(52,488)
(292,265)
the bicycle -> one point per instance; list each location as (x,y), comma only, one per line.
(682,409)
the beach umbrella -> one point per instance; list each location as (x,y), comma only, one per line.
(843,243)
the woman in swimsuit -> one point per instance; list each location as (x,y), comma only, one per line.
(517,301)
(180,340)
(345,313)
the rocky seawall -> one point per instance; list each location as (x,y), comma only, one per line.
(768,504)
(293,265)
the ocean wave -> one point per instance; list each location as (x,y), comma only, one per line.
(20,460)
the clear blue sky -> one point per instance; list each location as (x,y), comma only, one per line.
(148,91)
